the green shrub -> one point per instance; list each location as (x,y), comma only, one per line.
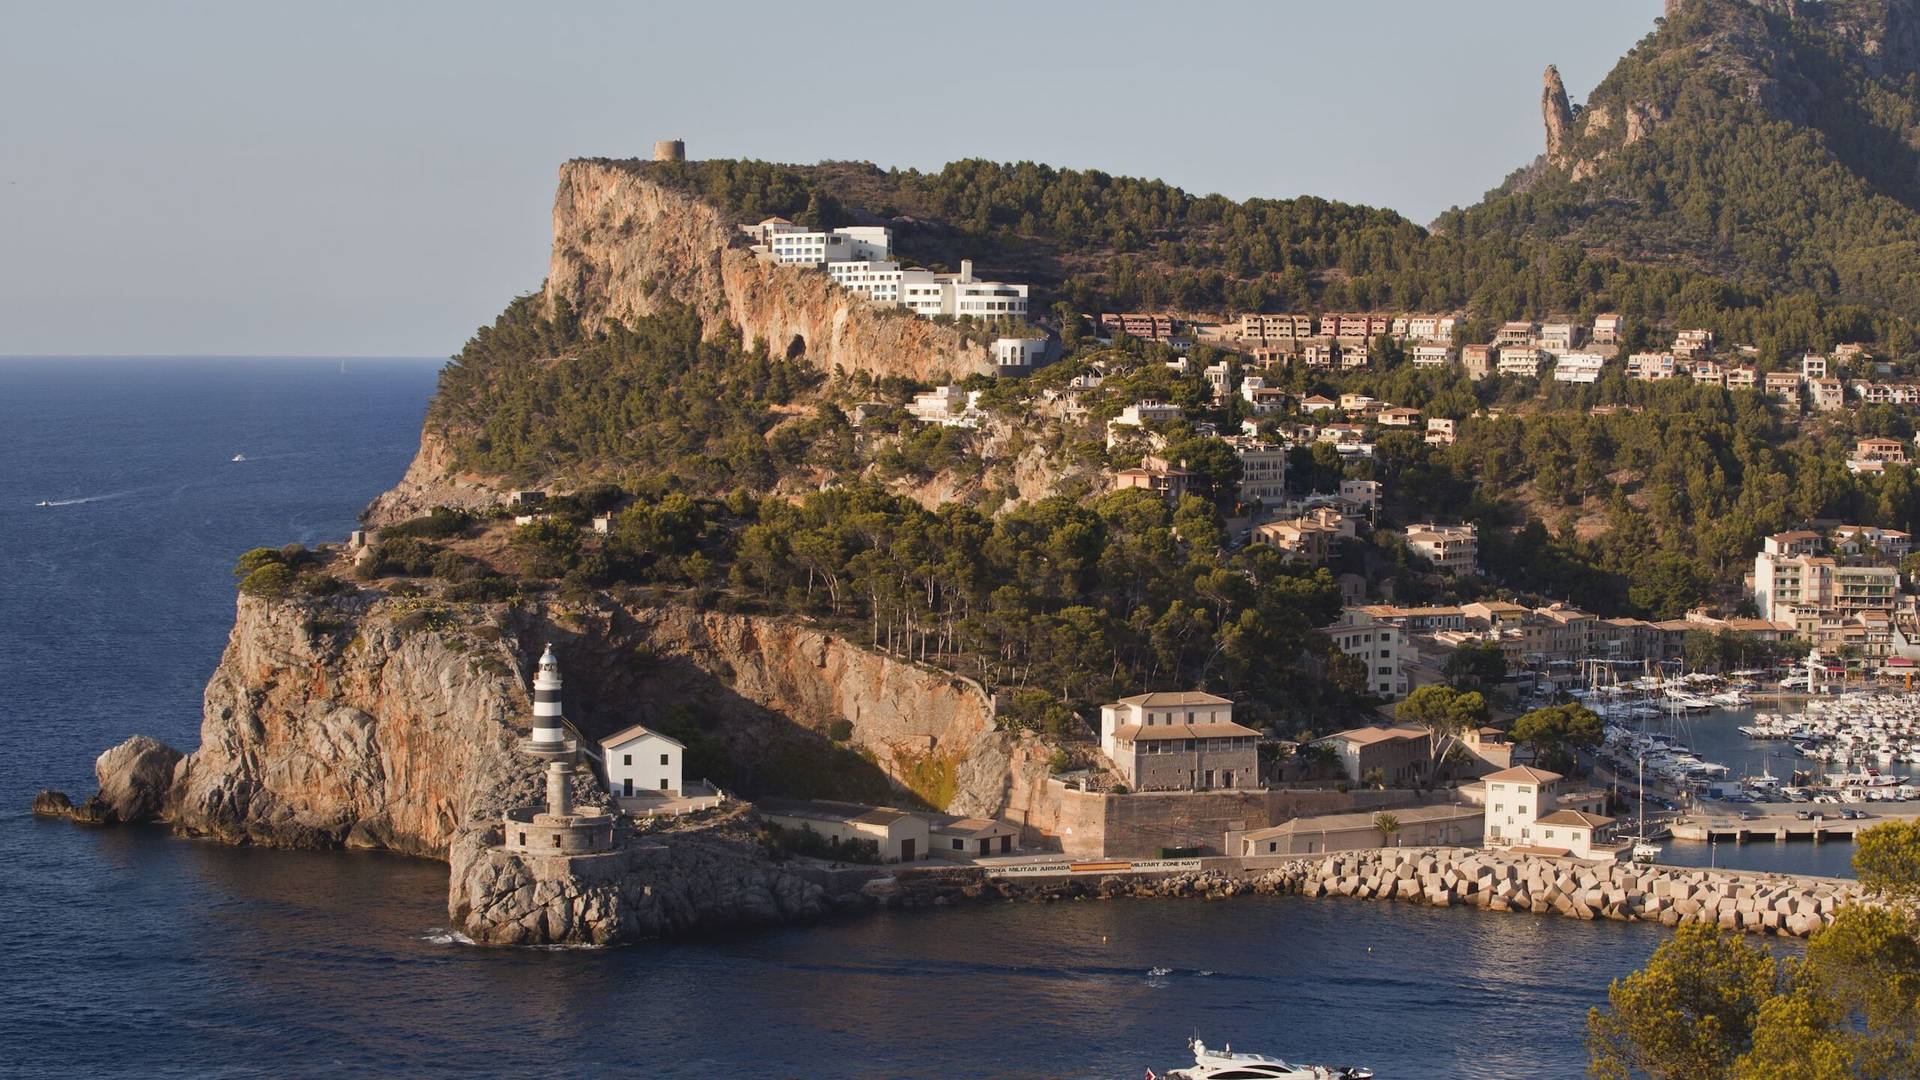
(840,730)
(442,523)
(270,579)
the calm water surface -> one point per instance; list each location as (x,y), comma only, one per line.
(127,950)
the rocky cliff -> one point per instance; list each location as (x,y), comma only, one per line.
(391,723)
(623,245)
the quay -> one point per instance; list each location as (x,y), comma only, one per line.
(1774,828)
(1715,822)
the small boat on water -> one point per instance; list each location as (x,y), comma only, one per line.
(1223,1064)
(239,457)
(43,502)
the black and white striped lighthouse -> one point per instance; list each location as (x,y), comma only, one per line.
(549,738)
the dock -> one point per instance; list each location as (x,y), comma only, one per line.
(1775,828)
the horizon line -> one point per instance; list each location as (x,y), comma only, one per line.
(217,356)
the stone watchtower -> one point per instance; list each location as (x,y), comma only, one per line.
(670,150)
(556,828)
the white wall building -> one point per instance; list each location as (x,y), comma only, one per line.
(794,246)
(929,294)
(1019,353)
(642,761)
(1375,644)
(877,281)
(1453,549)
(1579,367)
(948,406)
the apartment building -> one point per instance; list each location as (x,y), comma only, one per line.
(1167,481)
(1578,367)
(1263,470)
(1688,344)
(1608,329)
(1782,386)
(1142,325)
(1813,366)
(1375,643)
(1453,549)
(1430,356)
(1515,334)
(1309,538)
(1904,394)
(1790,584)
(1275,328)
(1652,367)
(1741,378)
(1520,360)
(1827,395)
(1560,333)
(1869,539)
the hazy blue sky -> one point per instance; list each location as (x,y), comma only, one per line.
(376,179)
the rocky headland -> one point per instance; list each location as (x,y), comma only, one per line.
(370,721)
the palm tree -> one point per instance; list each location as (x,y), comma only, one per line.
(1389,827)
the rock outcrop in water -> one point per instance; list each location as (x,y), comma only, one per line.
(712,877)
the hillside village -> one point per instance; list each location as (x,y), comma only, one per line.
(1263,425)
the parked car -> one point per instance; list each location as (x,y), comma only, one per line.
(1803,815)
(1748,815)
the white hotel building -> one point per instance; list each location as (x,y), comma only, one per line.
(860,259)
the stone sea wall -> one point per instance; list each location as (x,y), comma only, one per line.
(1445,877)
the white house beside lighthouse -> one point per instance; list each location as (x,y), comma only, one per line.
(641,761)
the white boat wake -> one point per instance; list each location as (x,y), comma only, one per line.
(83,500)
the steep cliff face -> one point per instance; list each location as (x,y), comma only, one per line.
(366,723)
(931,732)
(337,726)
(623,245)
(432,480)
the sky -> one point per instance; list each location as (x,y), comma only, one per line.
(376,179)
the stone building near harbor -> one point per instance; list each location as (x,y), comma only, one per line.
(1179,741)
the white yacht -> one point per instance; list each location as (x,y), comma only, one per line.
(1227,1065)
(239,457)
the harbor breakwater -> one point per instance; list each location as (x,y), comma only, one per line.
(1777,904)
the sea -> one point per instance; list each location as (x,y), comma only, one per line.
(130,951)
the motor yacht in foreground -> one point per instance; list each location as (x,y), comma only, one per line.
(1227,1065)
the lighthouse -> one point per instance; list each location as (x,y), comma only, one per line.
(558,828)
(549,739)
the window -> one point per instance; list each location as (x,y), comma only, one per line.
(523,839)
(626,759)
(556,839)
(959,845)
(663,759)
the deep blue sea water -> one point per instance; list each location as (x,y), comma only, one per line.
(130,951)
